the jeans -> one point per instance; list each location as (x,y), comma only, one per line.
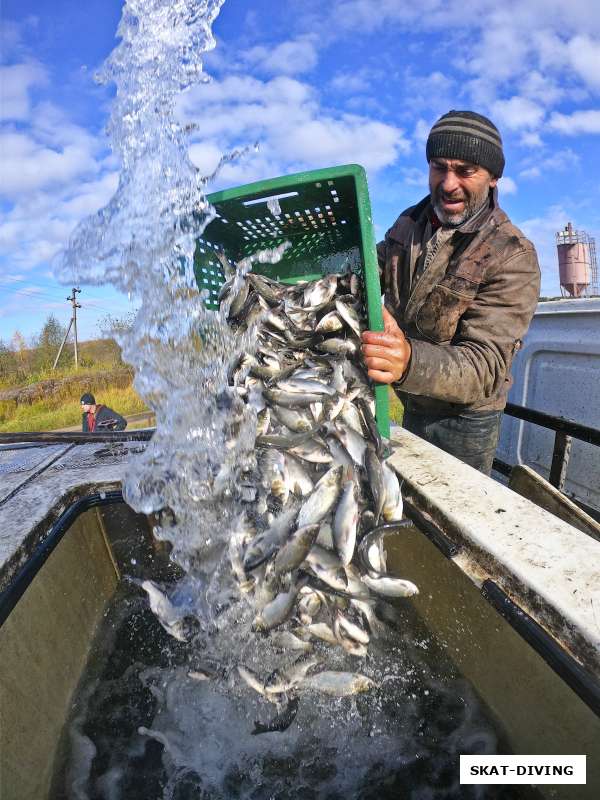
(472,436)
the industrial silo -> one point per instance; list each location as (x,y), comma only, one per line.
(576,262)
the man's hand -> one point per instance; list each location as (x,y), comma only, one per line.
(386,353)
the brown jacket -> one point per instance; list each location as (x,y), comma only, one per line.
(465,314)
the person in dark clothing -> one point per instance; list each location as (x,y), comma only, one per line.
(98,418)
(461,284)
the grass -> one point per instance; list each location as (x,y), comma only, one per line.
(64,411)
(396,409)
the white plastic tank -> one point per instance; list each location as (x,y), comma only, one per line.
(558,371)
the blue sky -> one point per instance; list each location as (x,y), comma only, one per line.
(316,84)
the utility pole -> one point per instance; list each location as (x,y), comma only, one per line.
(73,322)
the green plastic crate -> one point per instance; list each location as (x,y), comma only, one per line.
(325,214)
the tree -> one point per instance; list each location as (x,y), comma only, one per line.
(113,327)
(48,342)
(8,361)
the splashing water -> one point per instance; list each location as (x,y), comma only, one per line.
(143,243)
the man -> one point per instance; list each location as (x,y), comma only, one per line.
(461,284)
(98,418)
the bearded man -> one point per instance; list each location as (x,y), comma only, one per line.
(461,284)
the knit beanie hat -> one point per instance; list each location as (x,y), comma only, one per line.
(467,136)
(88,399)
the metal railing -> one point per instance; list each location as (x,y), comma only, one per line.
(565,431)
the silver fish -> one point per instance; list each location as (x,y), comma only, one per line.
(295,550)
(300,481)
(375,474)
(392,506)
(306,386)
(338,347)
(345,523)
(320,292)
(320,630)
(314,452)
(286,640)
(169,616)
(350,317)
(330,323)
(351,629)
(266,544)
(338,684)
(295,420)
(285,679)
(322,499)
(390,587)
(278,610)
(291,399)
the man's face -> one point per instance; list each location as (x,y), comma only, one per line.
(86,408)
(458,189)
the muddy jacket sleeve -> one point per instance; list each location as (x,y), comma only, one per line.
(476,363)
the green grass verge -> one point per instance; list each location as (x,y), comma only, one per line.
(66,412)
(396,409)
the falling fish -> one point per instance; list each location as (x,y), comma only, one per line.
(338,684)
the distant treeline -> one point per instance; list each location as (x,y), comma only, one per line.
(24,362)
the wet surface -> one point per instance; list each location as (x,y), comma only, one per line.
(142,728)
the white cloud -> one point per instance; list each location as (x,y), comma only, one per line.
(507,185)
(412,176)
(529,139)
(39,225)
(584,54)
(350,82)
(16,81)
(285,116)
(517,113)
(49,152)
(560,161)
(293,57)
(576,123)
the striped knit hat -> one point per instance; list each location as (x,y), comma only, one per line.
(467,136)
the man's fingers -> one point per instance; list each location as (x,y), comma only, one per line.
(383,364)
(380,376)
(382,338)
(389,323)
(379,352)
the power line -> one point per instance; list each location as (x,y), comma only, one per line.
(73,321)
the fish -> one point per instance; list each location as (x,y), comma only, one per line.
(283,680)
(300,481)
(320,292)
(323,497)
(338,347)
(170,617)
(330,323)
(393,508)
(297,421)
(338,684)
(295,550)
(390,587)
(278,610)
(267,543)
(345,523)
(375,475)
(321,630)
(350,317)
(286,640)
(280,722)
(306,386)
(351,629)
(318,477)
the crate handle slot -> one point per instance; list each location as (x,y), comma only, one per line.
(267,199)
